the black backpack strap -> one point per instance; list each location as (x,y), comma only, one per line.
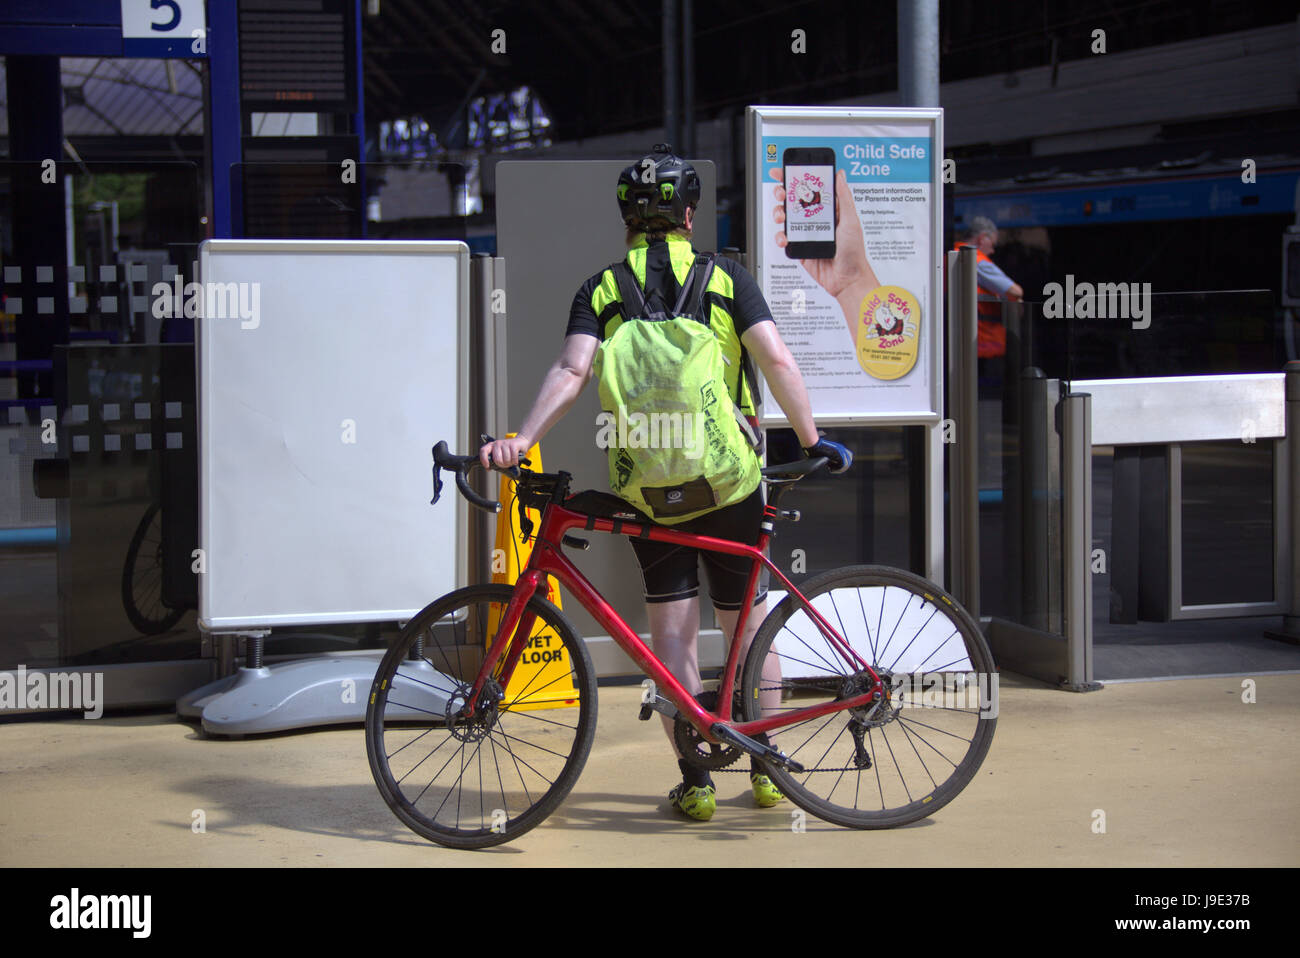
(747,378)
(628,289)
(693,290)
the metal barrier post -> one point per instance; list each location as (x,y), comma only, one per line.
(487,393)
(1038,599)
(1075,419)
(953,389)
(498,413)
(1291,619)
(969,447)
(963,407)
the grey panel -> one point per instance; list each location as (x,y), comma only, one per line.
(1185,408)
(557,224)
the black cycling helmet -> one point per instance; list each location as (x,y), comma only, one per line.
(657,189)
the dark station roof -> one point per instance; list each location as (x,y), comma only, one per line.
(597,65)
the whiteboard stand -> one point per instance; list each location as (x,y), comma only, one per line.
(309,692)
(266,379)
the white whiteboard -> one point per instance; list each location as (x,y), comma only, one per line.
(320,395)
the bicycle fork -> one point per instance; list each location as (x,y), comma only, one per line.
(511,639)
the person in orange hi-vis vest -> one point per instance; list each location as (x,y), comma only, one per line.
(994,286)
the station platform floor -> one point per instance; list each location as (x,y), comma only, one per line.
(1185,772)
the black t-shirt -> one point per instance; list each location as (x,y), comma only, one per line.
(747,308)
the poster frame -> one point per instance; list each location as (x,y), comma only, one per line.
(224,605)
(932,345)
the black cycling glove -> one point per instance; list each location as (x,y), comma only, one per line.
(840,457)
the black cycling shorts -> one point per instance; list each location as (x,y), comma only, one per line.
(672,572)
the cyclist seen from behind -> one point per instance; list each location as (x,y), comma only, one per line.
(670,332)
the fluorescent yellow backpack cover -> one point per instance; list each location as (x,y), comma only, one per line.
(677,447)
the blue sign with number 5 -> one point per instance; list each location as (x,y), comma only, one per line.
(164,28)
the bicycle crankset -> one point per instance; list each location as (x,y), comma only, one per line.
(694,748)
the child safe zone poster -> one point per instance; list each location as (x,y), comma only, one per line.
(844,229)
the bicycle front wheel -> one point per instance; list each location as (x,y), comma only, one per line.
(475,778)
(895,760)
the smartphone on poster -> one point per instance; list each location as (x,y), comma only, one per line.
(810,213)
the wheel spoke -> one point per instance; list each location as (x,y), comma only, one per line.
(916,636)
(520,759)
(908,736)
(447,778)
(537,718)
(910,644)
(519,698)
(830,666)
(783,656)
(436,688)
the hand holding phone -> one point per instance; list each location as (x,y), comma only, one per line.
(810,202)
(847,275)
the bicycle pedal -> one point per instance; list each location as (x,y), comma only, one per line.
(660,705)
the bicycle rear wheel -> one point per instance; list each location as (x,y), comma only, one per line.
(920,745)
(142,578)
(475,780)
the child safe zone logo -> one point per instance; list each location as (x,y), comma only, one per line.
(806,195)
(888,340)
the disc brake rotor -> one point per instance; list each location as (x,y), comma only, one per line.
(475,727)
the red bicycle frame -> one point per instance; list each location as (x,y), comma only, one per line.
(548,559)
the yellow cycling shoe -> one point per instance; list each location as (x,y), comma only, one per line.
(693,801)
(765,793)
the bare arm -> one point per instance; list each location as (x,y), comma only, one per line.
(564,381)
(782,374)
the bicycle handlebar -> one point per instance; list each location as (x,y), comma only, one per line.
(443,458)
(460,465)
(794,470)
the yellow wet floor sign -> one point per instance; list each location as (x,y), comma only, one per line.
(551,687)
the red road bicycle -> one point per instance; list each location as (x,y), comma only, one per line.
(887,687)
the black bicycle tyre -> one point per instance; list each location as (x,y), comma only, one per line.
(929,798)
(140,618)
(499,739)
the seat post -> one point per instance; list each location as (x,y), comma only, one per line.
(776,488)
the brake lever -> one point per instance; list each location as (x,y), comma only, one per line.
(437,484)
(525,523)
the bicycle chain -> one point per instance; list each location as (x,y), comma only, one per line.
(695,750)
(848,768)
